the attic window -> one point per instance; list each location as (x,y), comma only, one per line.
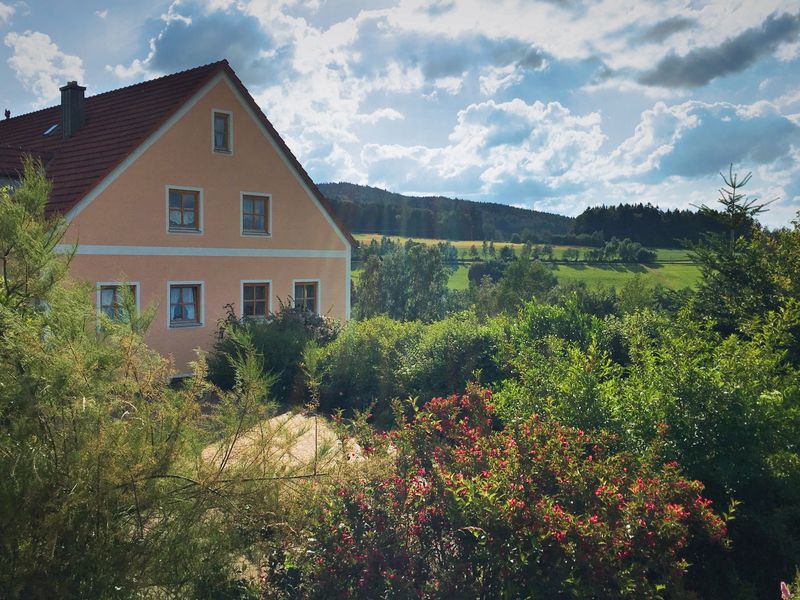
(222,132)
(51,129)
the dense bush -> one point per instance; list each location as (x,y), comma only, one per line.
(279,341)
(363,364)
(530,510)
(450,353)
(728,410)
(377,360)
(493,269)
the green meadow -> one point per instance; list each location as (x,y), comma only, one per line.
(674,269)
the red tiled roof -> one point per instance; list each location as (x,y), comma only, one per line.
(117,122)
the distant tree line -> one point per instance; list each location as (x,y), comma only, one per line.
(646,224)
(365,209)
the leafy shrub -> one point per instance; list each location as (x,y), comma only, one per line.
(596,300)
(536,321)
(449,354)
(362,365)
(279,340)
(726,409)
(493,269)
(533,510)
(377,360)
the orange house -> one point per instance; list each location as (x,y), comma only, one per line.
(181,187)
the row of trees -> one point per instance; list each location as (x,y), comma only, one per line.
(647,224)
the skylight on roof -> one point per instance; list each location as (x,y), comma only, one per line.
(51,129)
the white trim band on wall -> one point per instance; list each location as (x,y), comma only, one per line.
(93,249)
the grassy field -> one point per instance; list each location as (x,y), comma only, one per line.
(673,276)
(463,246)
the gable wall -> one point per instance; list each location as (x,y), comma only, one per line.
(122,233)
(132,210)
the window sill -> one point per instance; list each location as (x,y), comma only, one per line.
(184,325)
(256,234)
(223,152)
(185,231)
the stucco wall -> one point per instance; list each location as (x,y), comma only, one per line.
(131,212)
(221,277)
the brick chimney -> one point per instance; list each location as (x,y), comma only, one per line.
(73,113)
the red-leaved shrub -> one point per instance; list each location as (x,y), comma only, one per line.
(531,510)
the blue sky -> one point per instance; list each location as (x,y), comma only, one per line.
(548,104)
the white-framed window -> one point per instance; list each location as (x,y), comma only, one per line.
(185,304)
(255,298)
(184,209)
(222,131)
(307,294)
(256,213)
(111,300)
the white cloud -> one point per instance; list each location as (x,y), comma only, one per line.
(101,13)
(451,85)
(695,139)
(788,99)
(494,79)
(6,12)
(136,68)
(788,52)
(514,148)
(40,66)
(377,115)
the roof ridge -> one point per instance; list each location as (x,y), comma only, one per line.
(218,64)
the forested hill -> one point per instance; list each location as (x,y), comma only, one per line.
(366,209)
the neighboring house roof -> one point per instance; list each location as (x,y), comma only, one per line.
(118,122)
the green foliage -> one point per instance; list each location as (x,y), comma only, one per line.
(597,300)
(107,490)
(727,409)
(370,209)
(279,340)
(635,295)
(378,360)
(741,278)
(28,265)
(362,365)
(451,353)
(646,224)
(529,510)
(491,269)
(408,283)
(523,280)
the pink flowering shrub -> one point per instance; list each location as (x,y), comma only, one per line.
(534,509)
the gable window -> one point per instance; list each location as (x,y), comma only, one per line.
(185,308)
(115,300)
(306,295)
(222,132)
(184,210)
(255,299)
(255,214)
